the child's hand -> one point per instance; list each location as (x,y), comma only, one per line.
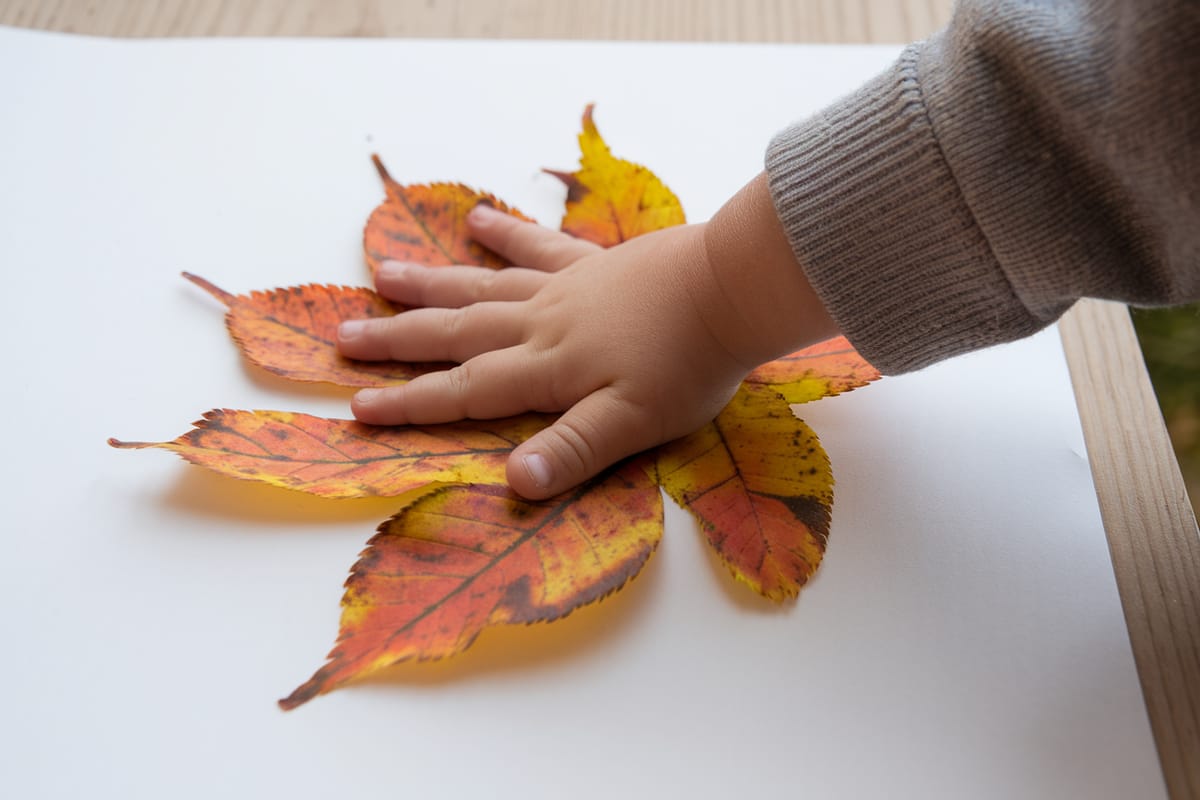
(638,344)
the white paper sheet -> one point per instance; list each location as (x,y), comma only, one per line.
(964,637)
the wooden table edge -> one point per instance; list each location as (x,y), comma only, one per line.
(1150,525)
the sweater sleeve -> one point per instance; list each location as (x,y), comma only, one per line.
(1029,155)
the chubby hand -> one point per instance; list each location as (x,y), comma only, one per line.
(637,344)
(615,338)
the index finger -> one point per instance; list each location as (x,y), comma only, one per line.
(526,244)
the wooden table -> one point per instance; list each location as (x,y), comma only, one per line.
(1151,528)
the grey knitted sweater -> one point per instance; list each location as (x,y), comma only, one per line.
(1030,154)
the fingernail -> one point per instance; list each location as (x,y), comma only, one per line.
(351,329)
(538,468)
(482,214)
(392,270)
(367,396)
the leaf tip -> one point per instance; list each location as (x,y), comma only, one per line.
(295,699)
(381,169)
(120,445)
(566,177)
(318,684)
(216,291)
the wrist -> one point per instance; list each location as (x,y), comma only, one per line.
(770,307)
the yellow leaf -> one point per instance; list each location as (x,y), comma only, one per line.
(609,199)
(759,483)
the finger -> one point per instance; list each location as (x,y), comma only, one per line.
(490,386)
(432,334)
(454,287)
(526,244)
(595,433)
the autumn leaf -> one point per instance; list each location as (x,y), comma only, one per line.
(756,478)
(426,224)
(342,458)
(823,370)
(465,557)
(464,553)
(291,331)
(760,485)
(609,199)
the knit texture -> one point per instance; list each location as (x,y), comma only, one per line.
(1029,155)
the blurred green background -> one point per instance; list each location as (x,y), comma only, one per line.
(1170,339)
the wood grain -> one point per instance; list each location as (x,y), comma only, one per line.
(1150,525)
(855,21)
(1151,528)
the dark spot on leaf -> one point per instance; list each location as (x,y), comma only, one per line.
(576,191)
(429,557)
(517,599)
(811,511)
(402,237)
(518,509)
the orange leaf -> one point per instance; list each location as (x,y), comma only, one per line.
(610,199)
(464,552)
(291,332)
(426,224)
(465,557)
(760,485)
(823,370)
(341,458)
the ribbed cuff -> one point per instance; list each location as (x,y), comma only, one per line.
(878,223)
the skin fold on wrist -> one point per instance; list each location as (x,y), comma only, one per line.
(773,308)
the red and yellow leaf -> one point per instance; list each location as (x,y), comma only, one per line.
(426,224)
(464,552)
(342,458)
(760,485)
(609,199)
(466,557)
(290,332)
(823,370)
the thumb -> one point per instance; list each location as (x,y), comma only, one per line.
(595,433)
